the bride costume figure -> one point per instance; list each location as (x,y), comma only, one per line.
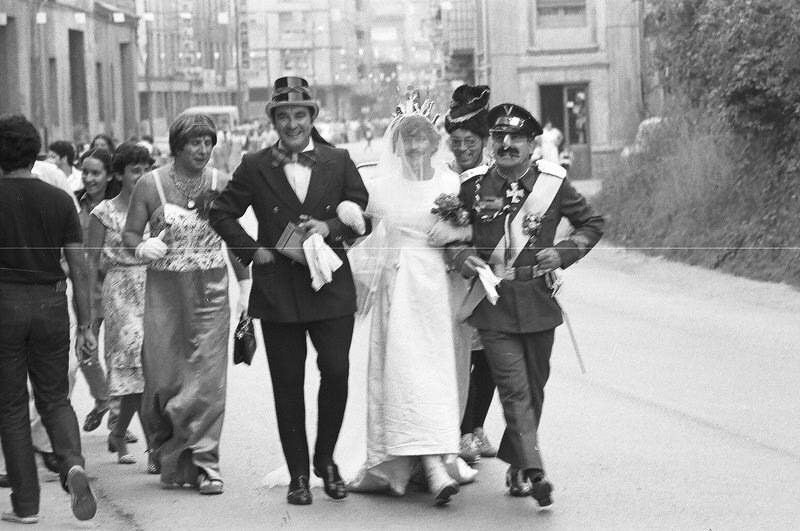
(418,369)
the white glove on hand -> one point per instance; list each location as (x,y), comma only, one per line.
(351,215)
(244,296)
(152,248)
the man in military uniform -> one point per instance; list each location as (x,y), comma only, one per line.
(517,207)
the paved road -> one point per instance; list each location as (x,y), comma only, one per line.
(686,419)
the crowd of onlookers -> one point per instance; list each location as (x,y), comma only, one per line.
(67,272)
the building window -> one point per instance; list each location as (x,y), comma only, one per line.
(560,13)
(292,24)
(296,61)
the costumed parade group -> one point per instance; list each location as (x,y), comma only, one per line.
(450,270)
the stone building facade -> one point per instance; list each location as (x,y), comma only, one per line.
(70,66)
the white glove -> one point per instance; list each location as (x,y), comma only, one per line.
(351,215)
(152,248)
(244,296)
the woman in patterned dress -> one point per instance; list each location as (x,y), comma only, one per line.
(187,318)
(123,294)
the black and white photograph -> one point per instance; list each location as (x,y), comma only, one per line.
(431,264)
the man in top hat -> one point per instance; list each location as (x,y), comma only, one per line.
(517,206)
(302,179)
(467,125)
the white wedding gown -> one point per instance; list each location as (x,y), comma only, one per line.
(418,370)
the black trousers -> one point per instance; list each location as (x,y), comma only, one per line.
(481,391)
(34,342)
(520,365)
(286,354)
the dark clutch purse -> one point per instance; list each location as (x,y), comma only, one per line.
(290,243)
(244,341)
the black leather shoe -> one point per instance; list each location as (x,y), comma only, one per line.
(93,419)
(334,484)
(299,493)
(541,488)
(50,461)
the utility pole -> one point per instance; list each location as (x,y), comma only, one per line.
(239,97)
(149,33)
(147,76)
(485,29)
(38,88)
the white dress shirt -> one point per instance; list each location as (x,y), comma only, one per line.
(299,175)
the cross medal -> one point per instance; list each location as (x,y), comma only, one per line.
(516,193)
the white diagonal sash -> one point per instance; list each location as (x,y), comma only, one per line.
(538,201)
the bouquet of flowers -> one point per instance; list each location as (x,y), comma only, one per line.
(450,208)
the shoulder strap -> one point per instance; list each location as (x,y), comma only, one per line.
(538,201)
(551,168)
(477,170)
(536,204)
(159,188)
(214,173)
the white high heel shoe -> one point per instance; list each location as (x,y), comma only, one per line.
(439,481)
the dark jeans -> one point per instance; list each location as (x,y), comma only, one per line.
(286,354)
(34,342)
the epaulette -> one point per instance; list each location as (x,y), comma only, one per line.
(472,172)
(551,168)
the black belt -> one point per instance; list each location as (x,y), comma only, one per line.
(520,272)
(58,287)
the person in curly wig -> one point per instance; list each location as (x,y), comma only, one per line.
(186,315)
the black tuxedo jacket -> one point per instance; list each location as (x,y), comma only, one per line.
(282,289)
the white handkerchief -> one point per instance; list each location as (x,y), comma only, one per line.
(489,281)
(321,259)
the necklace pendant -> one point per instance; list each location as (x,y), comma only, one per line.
(190,203)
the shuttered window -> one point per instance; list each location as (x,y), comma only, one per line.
(560,13)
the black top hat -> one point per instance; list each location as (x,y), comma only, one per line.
(513,118)
(292,90)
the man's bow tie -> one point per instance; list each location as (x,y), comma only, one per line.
(282,157)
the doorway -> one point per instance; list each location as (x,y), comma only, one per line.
(566,107)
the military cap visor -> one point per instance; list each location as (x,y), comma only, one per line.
(508,124)
(511,118)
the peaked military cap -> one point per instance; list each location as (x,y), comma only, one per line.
(513,118)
